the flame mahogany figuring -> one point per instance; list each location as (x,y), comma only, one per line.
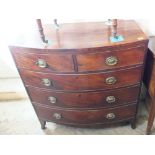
(77,72)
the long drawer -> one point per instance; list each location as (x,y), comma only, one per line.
(84,99)
(79,82)
(110,59)
(86,116)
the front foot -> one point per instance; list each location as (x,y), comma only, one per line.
(148,130)
(133,124)
(43,124)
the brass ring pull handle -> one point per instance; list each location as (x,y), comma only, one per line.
(111,80)
(52,99)
(110,99)
(111,61)
(46,82)
(41,63)
(57,116)
(110,116)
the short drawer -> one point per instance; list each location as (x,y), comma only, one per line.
(84,99)
(78,82)
(86,116)
(60,62)
(110,59)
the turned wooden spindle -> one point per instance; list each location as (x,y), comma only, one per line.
(41,31)
(114,28)
(56,24)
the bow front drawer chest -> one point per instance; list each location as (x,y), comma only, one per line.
(80,77)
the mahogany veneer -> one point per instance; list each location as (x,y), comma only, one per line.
(79,82)
(88,117)
(88,100)
(80,78)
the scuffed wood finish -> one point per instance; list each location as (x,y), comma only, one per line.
(86,99)
(78,117)
(79,82)
(87,62)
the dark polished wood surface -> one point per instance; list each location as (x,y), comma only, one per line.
(80,82)
(55,62)
(79,68)
(87,62)
(88,100)
(87,116)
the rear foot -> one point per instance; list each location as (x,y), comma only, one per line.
(133,124)
(43,124)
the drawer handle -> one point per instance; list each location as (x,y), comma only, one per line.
(41,63)
(110,99)
(111,80)
(110,116)
(46,82)
(111,61)
(57,116)
(52,99)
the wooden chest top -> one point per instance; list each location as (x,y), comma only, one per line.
(83,35)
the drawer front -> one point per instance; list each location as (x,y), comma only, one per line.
(45,62)
(86,99)
(78,82)
(86,116)
(110,59)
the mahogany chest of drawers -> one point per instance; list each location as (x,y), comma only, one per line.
(80,78)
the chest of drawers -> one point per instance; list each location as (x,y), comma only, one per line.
(81,78)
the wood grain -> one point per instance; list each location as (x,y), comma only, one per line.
(82,100)
(55,63)
(81,82)
(86,116)
(87,62)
